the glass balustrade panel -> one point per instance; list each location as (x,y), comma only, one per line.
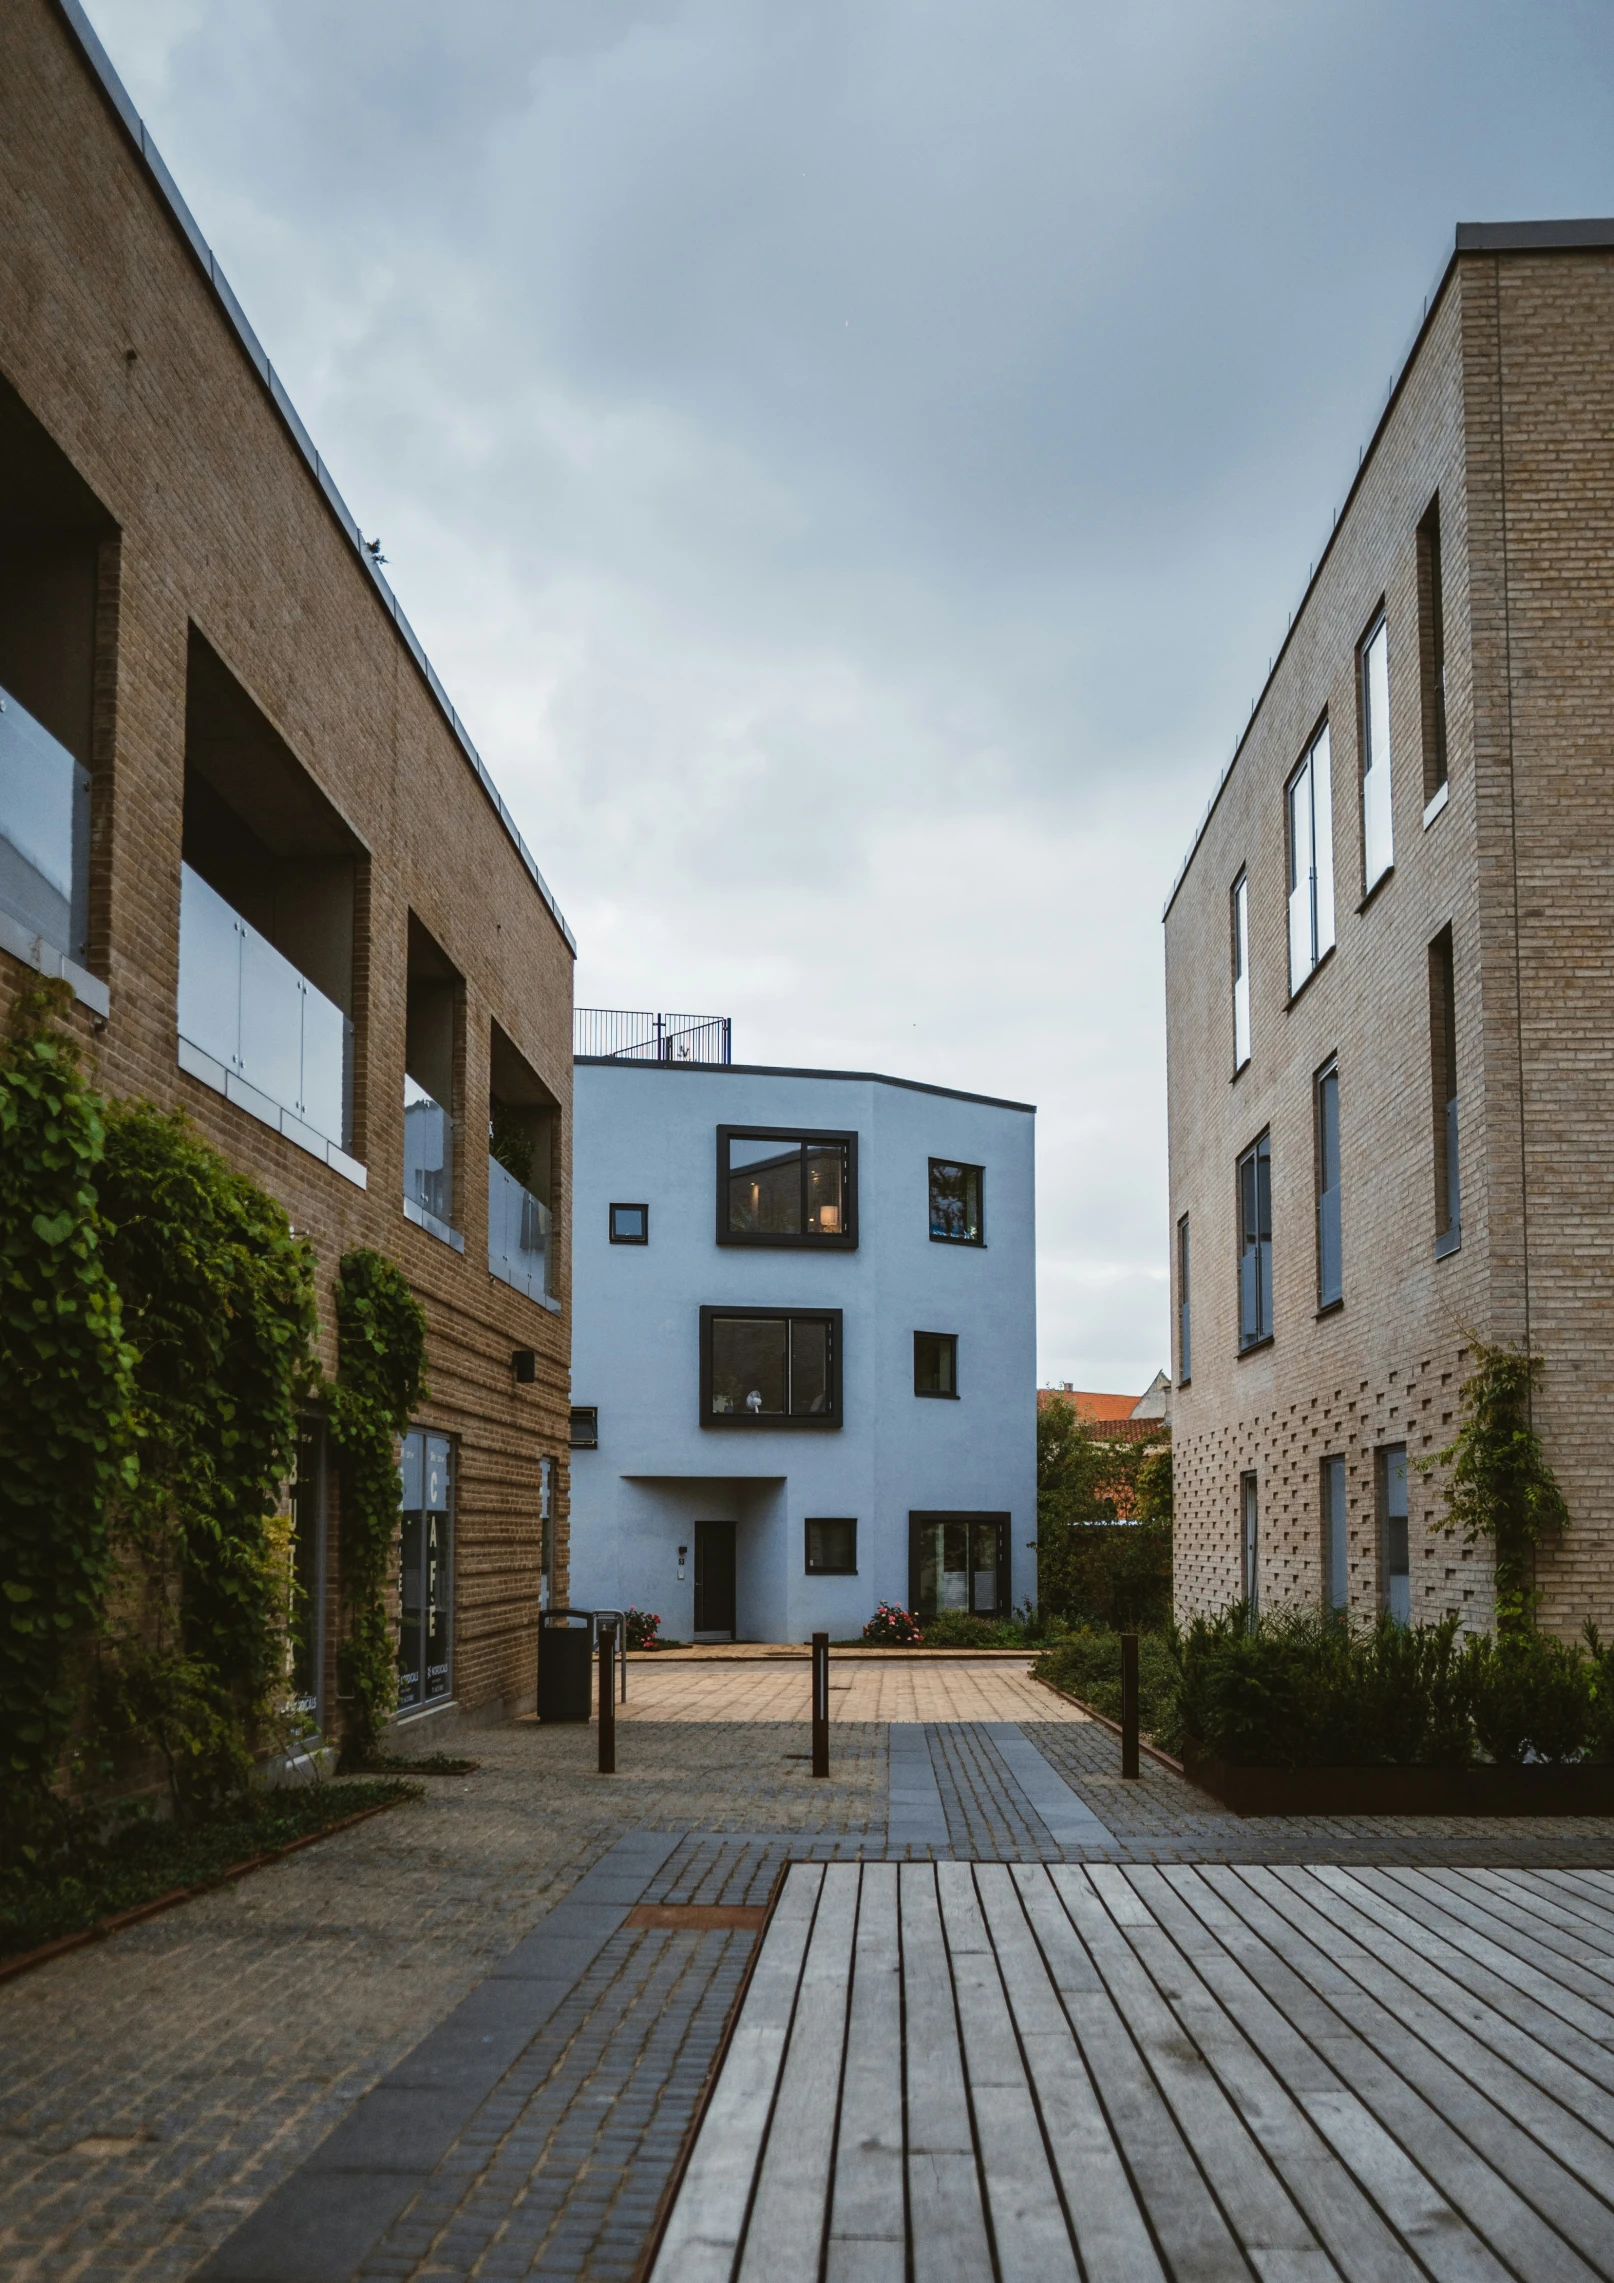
(271,1020)
(44,831)
(326,1036)
(519,1226)
(209,970)
(428,1153)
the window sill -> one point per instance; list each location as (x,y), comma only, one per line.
(747,1424)
(846,1243)
(1306,981)
(1254,1347)
(432,1225)
(1450,1241)
(1436,803)
(1330,1307)
(1239,1068)
(45,959)
(936,1394)
(965,1244)
(414,1712)
(1377,889)
(208,1072)
(829,1573)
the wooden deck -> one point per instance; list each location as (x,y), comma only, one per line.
(1035,2071)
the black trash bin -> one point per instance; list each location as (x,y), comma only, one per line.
(565,1664)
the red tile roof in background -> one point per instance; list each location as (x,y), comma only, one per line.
(1093,1407)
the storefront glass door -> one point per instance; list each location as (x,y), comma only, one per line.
(426,1572)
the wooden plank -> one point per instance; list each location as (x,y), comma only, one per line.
(945,2211)
(1028,2220)
(868,2201)
(1251,1982)
(784,2236)
(1444,2124)
(1220,2013)
(1508,1986)
(1186,2221)
(1596,1886)
(1437,1901)
(1570,2118)
(1111,2234)
(1567,1906)
(703,2231)
(1263,2215)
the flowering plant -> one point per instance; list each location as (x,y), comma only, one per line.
(640,1628)
(894,1625)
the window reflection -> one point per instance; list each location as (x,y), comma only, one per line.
(771,1367)
(781,1188)
(955,1201)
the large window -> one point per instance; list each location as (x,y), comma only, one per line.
(958,1562)
(1330,1270)
(1185,1348)
(426,1574)
(1310,801)
(1241,972)
(1395,1565)
(778,1186)
(831,1546)
(1250,1542)
(1336,1543)
(955,1203)
(1255,1243)
(1443,1074)
(1432,660)
(935,1363)
(1378,840)
(434,1025)
(523,1130)
(770,1367)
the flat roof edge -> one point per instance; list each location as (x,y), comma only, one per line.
(112,87)
(1468,238)
(790,1070)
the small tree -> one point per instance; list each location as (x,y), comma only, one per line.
(1499,1486)
(1103,1524)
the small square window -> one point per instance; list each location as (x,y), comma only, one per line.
(955,1203)
(831,1546)
(585,1427)
(630,1224)
(935,1363)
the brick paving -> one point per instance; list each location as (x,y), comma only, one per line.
(156,2089)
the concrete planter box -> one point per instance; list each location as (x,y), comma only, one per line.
(1535,1790)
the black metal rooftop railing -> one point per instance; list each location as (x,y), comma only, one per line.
(622,1034)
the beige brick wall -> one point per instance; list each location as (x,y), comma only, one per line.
(115,342)
(1507,411)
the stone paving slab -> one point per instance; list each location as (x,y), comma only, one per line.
(867,1688)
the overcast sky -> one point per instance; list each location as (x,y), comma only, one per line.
(851,463)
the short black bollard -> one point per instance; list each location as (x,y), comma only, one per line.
(820,1704)
(1129,1705)
(607,1700)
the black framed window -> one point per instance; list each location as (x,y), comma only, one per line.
(1330,1266)
(1255,1243)
(935,1363)
(1336,1539)
(426,1572)
(585,1435)
(1395,1565)
(1250,1563)
(1432,654)
(779,1185)
(1185,1343)
(955,1203)
(831,1545)
(770,1367)
(959,1562)
(1443,1071)
(630,1224)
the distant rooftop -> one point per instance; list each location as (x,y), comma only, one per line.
(167,190)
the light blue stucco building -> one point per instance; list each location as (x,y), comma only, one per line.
(804,1345)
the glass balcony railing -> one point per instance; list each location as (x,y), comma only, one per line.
(44,832)
(244,1003)
(429,1164)
(519,1250)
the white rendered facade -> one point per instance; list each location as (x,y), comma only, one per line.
(676,1446)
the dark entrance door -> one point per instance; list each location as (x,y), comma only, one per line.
(714,1578)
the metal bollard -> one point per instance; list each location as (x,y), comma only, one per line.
(820,1704)
(607,1700)
(1129,1705)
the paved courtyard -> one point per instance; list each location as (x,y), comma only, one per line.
(469,2037)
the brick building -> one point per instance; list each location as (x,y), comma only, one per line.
(1390,995)
(239,814)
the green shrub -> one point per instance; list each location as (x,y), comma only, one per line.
(1088,1664)
(1533,1696)
(957,1629)
(1600,1722)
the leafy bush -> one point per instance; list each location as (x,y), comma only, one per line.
(957,1629)
(1103,1525)
(1499,1486)
(1297,1690)
(1088,1664)
(893,1626)
(640,1628)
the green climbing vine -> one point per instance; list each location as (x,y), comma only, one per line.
(1499,1487)
(66,1395)
(381,1348)
(218,1300)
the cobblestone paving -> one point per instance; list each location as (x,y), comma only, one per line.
(154,2088)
